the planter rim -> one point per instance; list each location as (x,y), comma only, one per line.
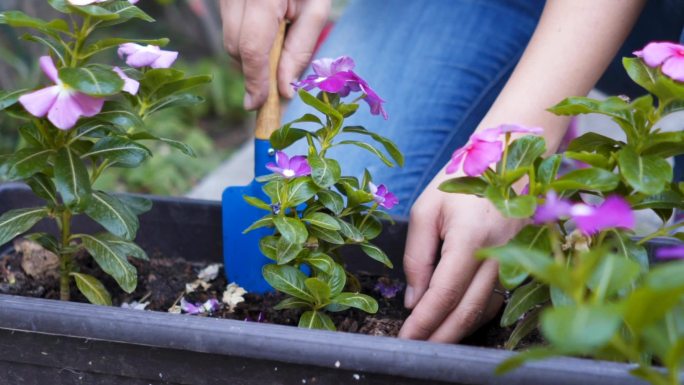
(385,355)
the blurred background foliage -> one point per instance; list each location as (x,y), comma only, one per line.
(214,128)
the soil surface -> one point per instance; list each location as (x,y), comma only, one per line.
(32,271)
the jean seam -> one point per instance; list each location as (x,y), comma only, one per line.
(504,71)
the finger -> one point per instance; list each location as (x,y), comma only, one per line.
(479,305)
(448,285)
(422,243)
(300,42)
(257,34)
(231,14)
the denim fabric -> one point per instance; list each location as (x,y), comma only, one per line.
(439,64)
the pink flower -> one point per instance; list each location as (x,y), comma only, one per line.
(337,76)
(475,157)
(88,2)
(494,133)
(130,85)
(62,104)
(146,56)
(669,55)
(289,168)
(553,209)
(382,196)
(670,252)
(614,212)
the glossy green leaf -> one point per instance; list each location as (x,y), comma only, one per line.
(336,279)
(324,172)
(519,359)
(71,178)
(548,169)
(92,289)
(286,251)
(376,253)
(524,299)
(181,85)
(15,222)
(292,229)
(591,179)
(533,261)
(323,221)
(331,200)
(175,101)
(319,290)
(358,301)
(464,185)
(137,204)
(256,202)
(123,246)
(113,215)
(314,102)
(567,327)
(288,280)
(119,151)
(94,11)
(648,174)
(331,236)
(18,19)
(94,81)
(350,231)
(268,246)
(300,191)
(10,98)
(370,229)
(523,151)
(265,221)
(125,12)
(292,303)
(591,141)
(526,326)
(285,136)
(593,159)
(522,206)
(320,261)
(316,320)
(369,148)
(650,79)
(391,148)
(612,275)
(112,261)
(120,115)
(45,240)
(28,161)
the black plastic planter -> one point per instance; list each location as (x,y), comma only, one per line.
(52,342)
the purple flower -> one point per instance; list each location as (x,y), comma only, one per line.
(337,76)
(669,55)
(388,288)
(382,196)
(208,306)
(259,319)
(670,252)
(146,56)
(613,212)
(553,209)
(289,168)
(62,104)
(88,2)
(130,85)
(475,157)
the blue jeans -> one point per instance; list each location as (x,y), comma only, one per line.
(440,64)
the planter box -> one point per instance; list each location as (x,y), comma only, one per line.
(51,342)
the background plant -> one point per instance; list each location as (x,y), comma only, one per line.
(577,272)
(103,126)
(315,209)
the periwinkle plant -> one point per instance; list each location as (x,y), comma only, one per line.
(577,271)
(90,117)
(316,210)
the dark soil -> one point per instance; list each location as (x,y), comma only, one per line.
(161,282)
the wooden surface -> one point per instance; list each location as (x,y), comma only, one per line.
(268,116)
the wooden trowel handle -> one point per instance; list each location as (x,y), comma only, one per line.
(268,116)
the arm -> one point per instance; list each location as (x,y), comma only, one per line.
(570,49)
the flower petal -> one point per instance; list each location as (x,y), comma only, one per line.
(48,67)
(130,85)
(142,58)
(38,103)
(90,106)
(65,112)
(674,68)
(165,59)
(481,155)
(614,212)
(655,53)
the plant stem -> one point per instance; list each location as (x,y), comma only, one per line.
(65,257)
(368,214)
(660,232)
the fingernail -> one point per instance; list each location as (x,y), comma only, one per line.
(248,102)
(409,297)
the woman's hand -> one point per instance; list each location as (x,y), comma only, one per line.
(249,30)
(453,295)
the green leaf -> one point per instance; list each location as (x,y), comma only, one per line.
(112,42)
(523,300)
(465,185)
(286,251)
(522,206)
(292,229)
(94,81)
(119,151)
(613,275)
(323,221)
(593,159)
(288,280)
(92,289)
(18,19)
(320,261)
(336,279)
(652,80)
(113,215)
(523,151)
(530,260)
(285,136)
(175,101)
(331,236)
(330,112)
(10,98)
(120,115)
(567,327)
(300,191)
(648,174)
(316,320)
(389,145)
(376,253)
(664,277)
(368,148)
(331,200)
(137,204)
(268,246)
(256,202)
(319,290)
(184,148)
(94,11)
(324,172)
(613,106)
(591,179)
(123,247)
(548,169)
(181,85)
(592,141)
(370,229)
(28,161)
(519,359)
(15,222)
(43,187)
(71,178)
(526,326)
(625,247)
(265,221)
(292,303)
(112,261)
(358,301)
(308,118)
(125,11)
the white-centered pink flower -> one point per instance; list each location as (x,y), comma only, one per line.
(89,2)
(669,55)
(147,56)
(130,85)
(62,104)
